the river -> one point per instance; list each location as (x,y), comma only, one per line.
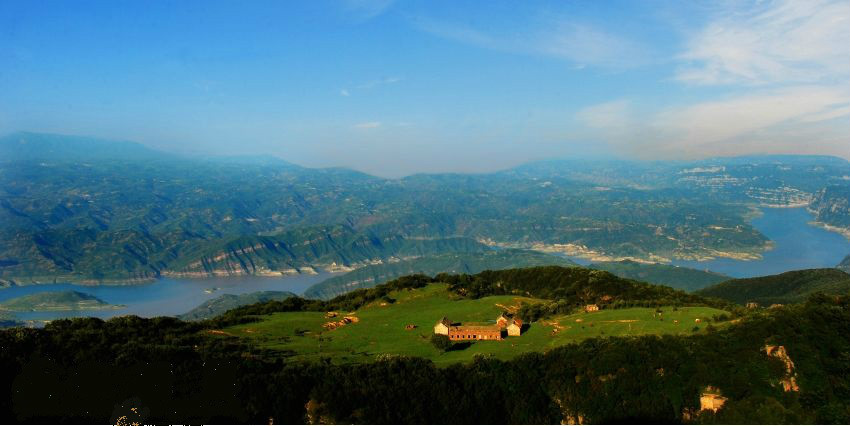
(162,297)
(798,245)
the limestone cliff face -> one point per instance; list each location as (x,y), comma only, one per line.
(335,250)
(789,381)
(831,207)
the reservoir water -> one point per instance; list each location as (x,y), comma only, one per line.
(797,245)
(162,297)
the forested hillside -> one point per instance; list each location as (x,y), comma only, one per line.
(687,279)
(55,301)
(82,210)
(221,304)
(789,287)
(470,263)
(173,371)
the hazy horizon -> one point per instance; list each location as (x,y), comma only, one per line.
(402,174)
(397,88)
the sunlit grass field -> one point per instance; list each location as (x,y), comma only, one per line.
(381,328)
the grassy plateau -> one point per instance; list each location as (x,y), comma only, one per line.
(381,328)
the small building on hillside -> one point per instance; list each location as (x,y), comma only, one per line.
(752,305)
(443,326)
(504,319)
(475,332)
(711,399)
(591,308)
(515,327)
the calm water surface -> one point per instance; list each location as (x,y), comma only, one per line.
(798,245)
(162,297)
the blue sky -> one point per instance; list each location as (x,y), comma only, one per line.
(398,87)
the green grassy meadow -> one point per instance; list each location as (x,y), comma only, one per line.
(381,328)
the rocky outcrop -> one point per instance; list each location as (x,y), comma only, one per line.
(831,208)
(789,380)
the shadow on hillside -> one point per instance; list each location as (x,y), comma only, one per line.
(460,346)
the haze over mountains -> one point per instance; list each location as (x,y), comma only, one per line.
(82,210)
(425,212)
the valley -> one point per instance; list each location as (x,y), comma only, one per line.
(382,212)
(125,221)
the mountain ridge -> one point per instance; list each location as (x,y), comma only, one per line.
(131,221)
(788,287)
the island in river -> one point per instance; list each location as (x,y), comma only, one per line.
(56,301)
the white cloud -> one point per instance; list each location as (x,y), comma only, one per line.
(584,44)
(367,9)
(368,125)
(776,42)
(379,82)
(579,43)
(724,120)
(369,85)
(608,115)
(787,70)
(786,120)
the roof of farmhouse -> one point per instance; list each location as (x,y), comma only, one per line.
(476,327)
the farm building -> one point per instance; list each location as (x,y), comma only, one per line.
(711,399)
(475,332)
(504,319)
(591,308)
(443,326)
(515,328)
(752,305)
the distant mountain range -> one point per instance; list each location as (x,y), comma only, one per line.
(77,209)
(28,146)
